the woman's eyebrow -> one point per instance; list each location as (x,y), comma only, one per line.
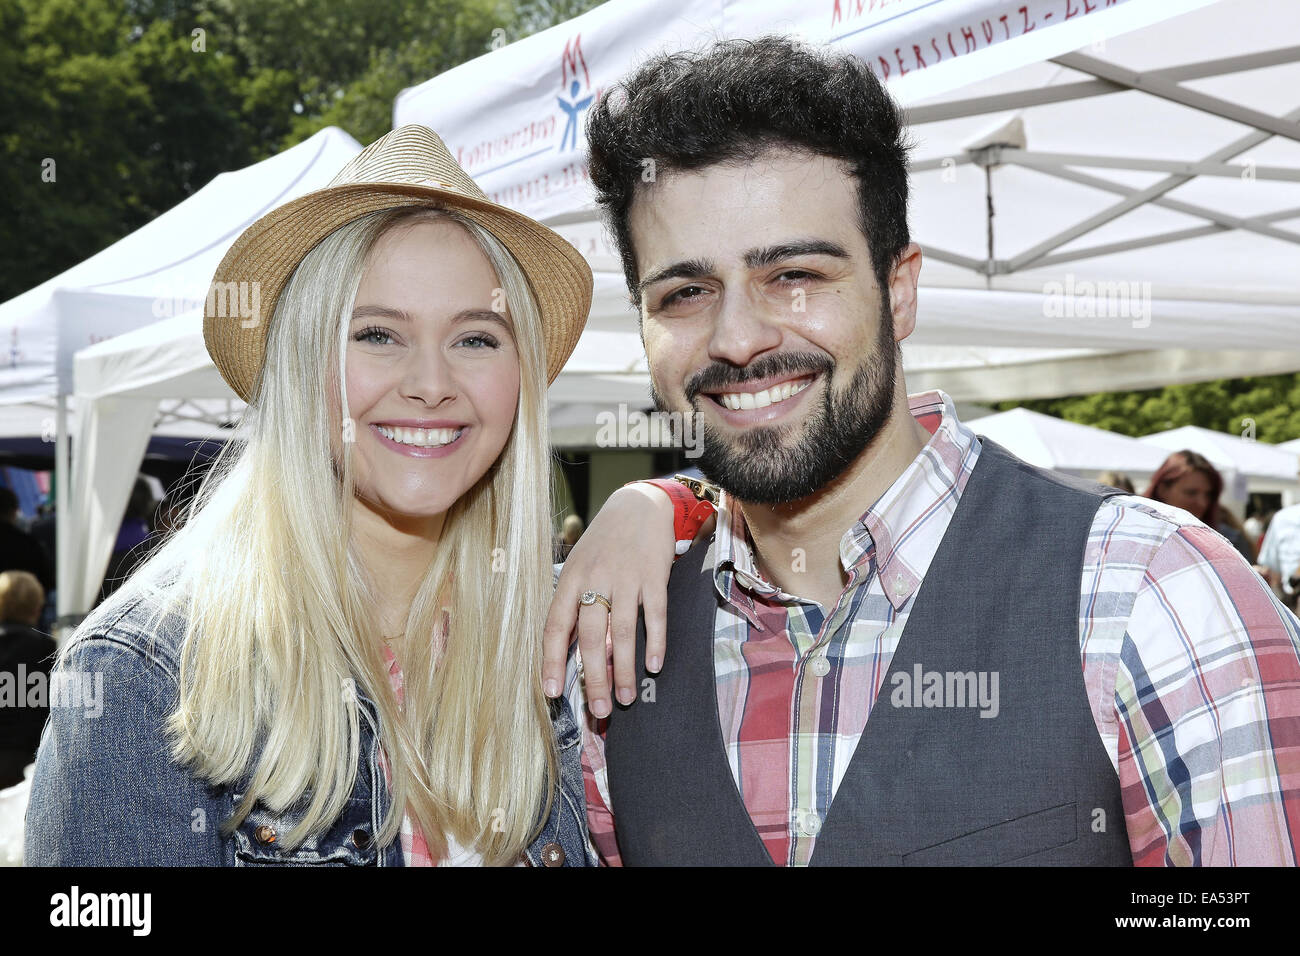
(401,315)
(476,315)
(380,312)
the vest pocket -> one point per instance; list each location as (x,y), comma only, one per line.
(1011,842)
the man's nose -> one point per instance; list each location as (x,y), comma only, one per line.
(744,327)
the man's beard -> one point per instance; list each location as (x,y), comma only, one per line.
(777,464)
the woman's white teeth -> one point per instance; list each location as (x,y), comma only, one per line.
(422,437)
(768,396)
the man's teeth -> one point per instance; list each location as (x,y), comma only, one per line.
(421,437)
(768,396)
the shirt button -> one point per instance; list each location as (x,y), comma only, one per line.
(899,586)
(810,823)
(265,834)
(820,666)
(552,855)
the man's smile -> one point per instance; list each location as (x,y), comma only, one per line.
(761,401)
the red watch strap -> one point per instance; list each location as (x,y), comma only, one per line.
(689,512)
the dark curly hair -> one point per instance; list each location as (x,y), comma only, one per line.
(733,101)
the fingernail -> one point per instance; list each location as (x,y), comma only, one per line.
(625,696)
(600,708)
(552,687)
(655,664)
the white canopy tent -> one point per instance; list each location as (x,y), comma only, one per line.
(161,270)
(1172,259)
(1068,446)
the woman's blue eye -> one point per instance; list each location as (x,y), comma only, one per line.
(484,341)
(368,335)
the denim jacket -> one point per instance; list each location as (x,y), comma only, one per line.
(106,793)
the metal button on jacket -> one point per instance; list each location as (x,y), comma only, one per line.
(360,839)
(552,855)
(265,834)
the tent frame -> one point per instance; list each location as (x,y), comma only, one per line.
(1111,78)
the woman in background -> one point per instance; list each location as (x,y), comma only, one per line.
(1187,480)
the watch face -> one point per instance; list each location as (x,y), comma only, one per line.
(704,490)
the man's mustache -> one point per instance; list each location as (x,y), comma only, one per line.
(718,376)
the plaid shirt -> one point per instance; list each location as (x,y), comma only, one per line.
(415,851)
(1191,665)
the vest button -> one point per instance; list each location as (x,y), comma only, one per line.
(360,839)
(552,855)
(265,834)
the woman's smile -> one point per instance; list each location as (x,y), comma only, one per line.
(428,442)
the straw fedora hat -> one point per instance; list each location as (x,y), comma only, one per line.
(409,166)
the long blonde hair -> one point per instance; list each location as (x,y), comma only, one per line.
(281,617)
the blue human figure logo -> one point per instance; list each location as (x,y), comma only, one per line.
(572,109)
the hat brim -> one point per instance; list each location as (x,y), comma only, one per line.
(268,252)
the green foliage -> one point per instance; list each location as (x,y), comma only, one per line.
(141,103)
(1271,402)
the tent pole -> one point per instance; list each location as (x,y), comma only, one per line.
(988,205)
(62,519)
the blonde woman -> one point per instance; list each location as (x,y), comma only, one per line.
(337,658)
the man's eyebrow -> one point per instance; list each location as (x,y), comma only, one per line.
(766,256)
(686,269)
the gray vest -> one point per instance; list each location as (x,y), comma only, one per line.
(931,781)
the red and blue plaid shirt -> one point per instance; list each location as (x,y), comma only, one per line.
(1192,669)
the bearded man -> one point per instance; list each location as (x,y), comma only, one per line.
(903,645)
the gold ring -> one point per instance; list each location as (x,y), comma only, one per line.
(591,597)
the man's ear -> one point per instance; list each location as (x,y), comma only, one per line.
(903,281)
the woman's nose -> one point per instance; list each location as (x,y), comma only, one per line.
(427,377)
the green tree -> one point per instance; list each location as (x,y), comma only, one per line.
(1267,406)
(112,112)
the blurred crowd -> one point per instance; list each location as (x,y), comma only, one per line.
(27,608)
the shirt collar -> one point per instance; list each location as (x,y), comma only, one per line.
(924,497)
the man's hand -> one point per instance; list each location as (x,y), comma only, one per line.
(625,554)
